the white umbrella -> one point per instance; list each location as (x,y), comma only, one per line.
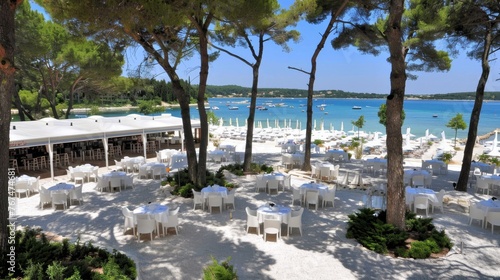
(297,125)
(230,122)
(237,124)
(268,123)
(221,122)
(342,126)
(314,126)
(290,123)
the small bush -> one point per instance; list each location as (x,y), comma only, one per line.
(40,259)
(371,230)
(219,271)
(419,250)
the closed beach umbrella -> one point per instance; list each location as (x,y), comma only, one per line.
(221,122)
(342,126)
(237,124)
(230,122)
(268,123)
(297,125)
(314,126)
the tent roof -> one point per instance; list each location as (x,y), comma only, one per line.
(52,131)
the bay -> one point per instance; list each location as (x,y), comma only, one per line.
(420,114)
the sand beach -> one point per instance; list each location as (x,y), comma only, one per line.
(322,252)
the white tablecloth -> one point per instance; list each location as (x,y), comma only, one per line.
(154,210)
(408,175)
(412,192)
(32,182)
(279,212)
(214,190)
(61,187)
(484,167)
(337,155)
(489,205)
(322,189)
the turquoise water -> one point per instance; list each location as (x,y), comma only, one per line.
(419,114)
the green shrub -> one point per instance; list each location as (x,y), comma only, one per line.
(371,230)
(56,271)
(37,258)
(419,250)
(219,271)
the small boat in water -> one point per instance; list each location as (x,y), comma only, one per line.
(233,108)
(434,116)
(356,107)
(215,108)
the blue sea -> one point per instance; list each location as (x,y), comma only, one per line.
(420,114)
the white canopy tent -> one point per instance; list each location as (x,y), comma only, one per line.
(49,131)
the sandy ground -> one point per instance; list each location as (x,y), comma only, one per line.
(322,252)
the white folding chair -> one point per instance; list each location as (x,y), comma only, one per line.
(76,194)
(172,221)
(59,198)
(475,213)
(198,200)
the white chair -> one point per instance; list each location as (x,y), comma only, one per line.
(229,200)
(198,200)
(172,220)
(130,221)
(313,172)
(482,185)
(76,194)
(144,172)
(79,177)
(252,220)
(295,221)
(439,204)
(475,213)
(272,226)
(45,197)
(329,196)
(22,187)
(273,185)
(102,184)
(493,218)
(95,174)
(115,183)
(408,199)
(287,183)
(260,183)
(145,225)
(215,200)
(421,202)
(128,181)
(324,173)
(159,172)
(418,181)
(59,198)
(118,165)
(312,197)
(296,196)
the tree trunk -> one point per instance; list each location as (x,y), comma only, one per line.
(396,205)
(70,97)
(251,118)
(474,117)
(202,155)
(7,70)
(184,99)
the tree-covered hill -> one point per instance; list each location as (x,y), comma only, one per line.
(239,91)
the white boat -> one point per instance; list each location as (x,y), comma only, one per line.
(356,107)
(215,108)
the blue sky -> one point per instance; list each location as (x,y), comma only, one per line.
(346,69)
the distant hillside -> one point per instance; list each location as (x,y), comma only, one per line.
(239,91)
